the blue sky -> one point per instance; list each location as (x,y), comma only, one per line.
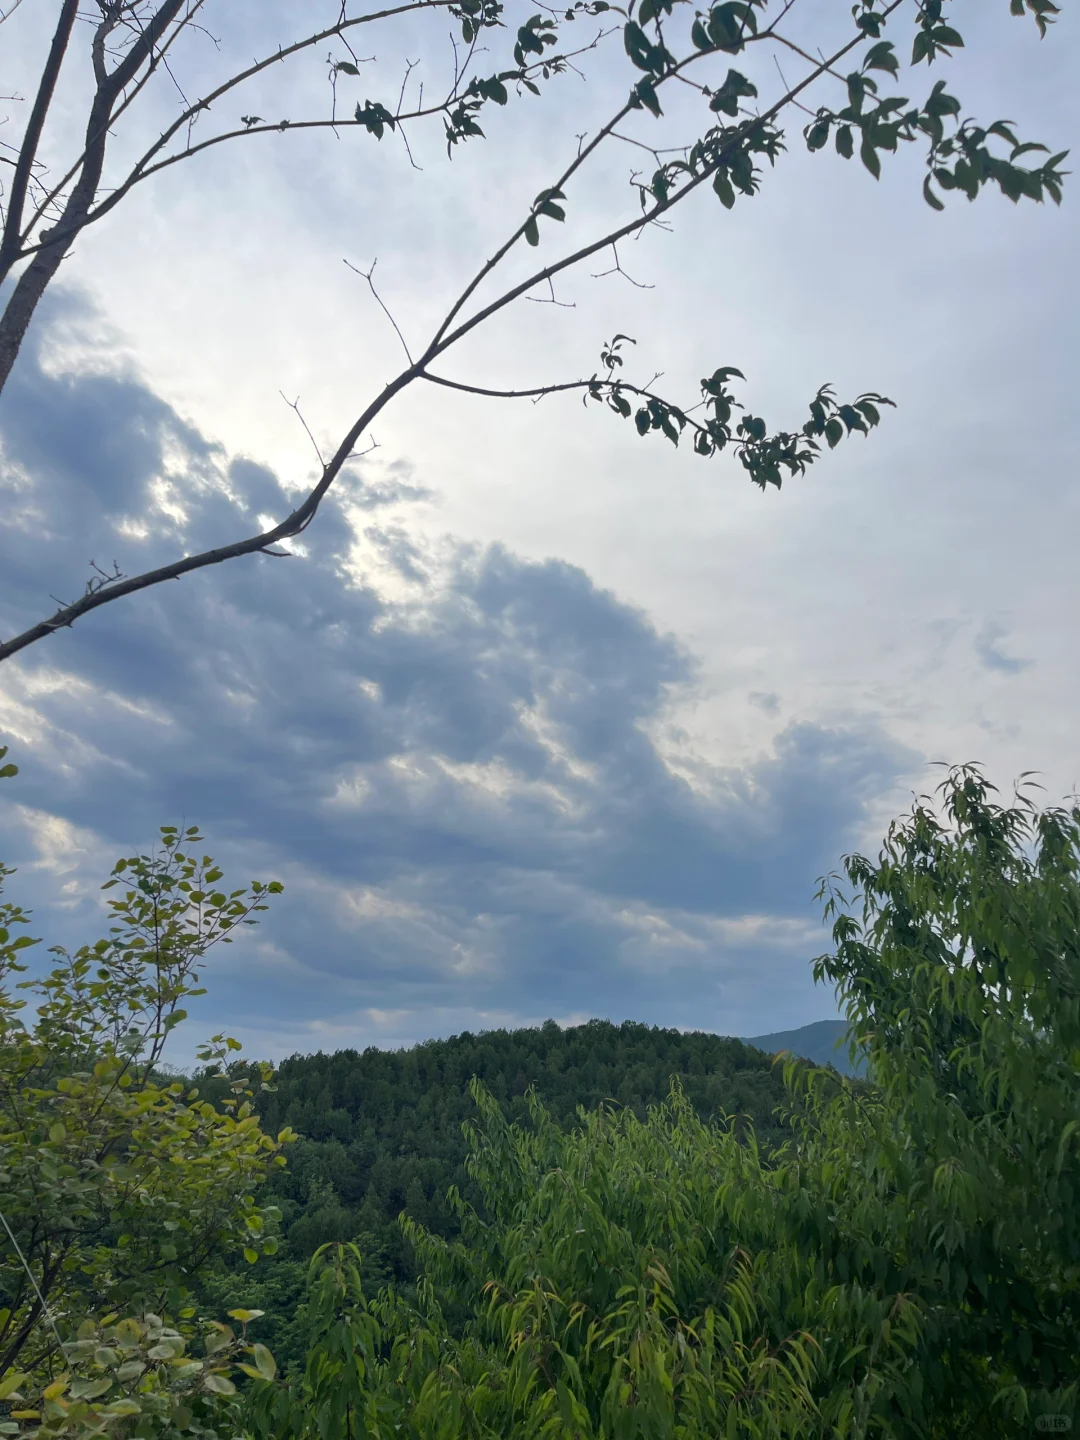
(541,720)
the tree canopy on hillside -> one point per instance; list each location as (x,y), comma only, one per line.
(382,1134)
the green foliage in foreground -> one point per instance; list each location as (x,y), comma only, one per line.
(118,1188)
(616,1284)
(382,1139)
(907,1265)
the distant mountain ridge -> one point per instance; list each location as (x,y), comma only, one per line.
(823,1042)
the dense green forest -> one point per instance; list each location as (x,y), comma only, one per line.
(381,1135)
(520,1234)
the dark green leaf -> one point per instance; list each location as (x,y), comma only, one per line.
(645,91)
(817,134)
(882,57)
(723,189)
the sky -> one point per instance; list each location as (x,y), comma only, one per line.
(541,719)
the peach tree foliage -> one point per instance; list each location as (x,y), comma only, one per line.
(908,1266)
(632,1280)
(957,953)
(845,64)
(119,1186)
(609,1290)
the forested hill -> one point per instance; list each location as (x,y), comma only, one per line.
(344,1095)
(381,1133)
(382,1129)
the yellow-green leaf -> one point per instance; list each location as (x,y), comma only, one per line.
(264,1360)
(123,1407)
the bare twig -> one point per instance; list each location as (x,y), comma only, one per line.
(368,276)
(783,81)
(617,269)
(824,68)
(257,67)
(294,405)
(543,300)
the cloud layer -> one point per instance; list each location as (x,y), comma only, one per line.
(459,771)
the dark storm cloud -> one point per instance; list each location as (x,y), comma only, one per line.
(459,786)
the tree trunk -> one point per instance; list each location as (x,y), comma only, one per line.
(19,311)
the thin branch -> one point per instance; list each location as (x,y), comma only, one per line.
(368,276)
(617,269)
(294,405)
(542,300)
(651,150)
(603,388)
(531,392)
(254,125)
(583,154)
(783,81)
(293,524)
(442,340)
(279,56)
(410,66)
(539,392)
(823,68)
(273,128)
(408,147)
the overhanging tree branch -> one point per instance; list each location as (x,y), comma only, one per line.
(300,518)
(960,155)
(191,113)
(637,224)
